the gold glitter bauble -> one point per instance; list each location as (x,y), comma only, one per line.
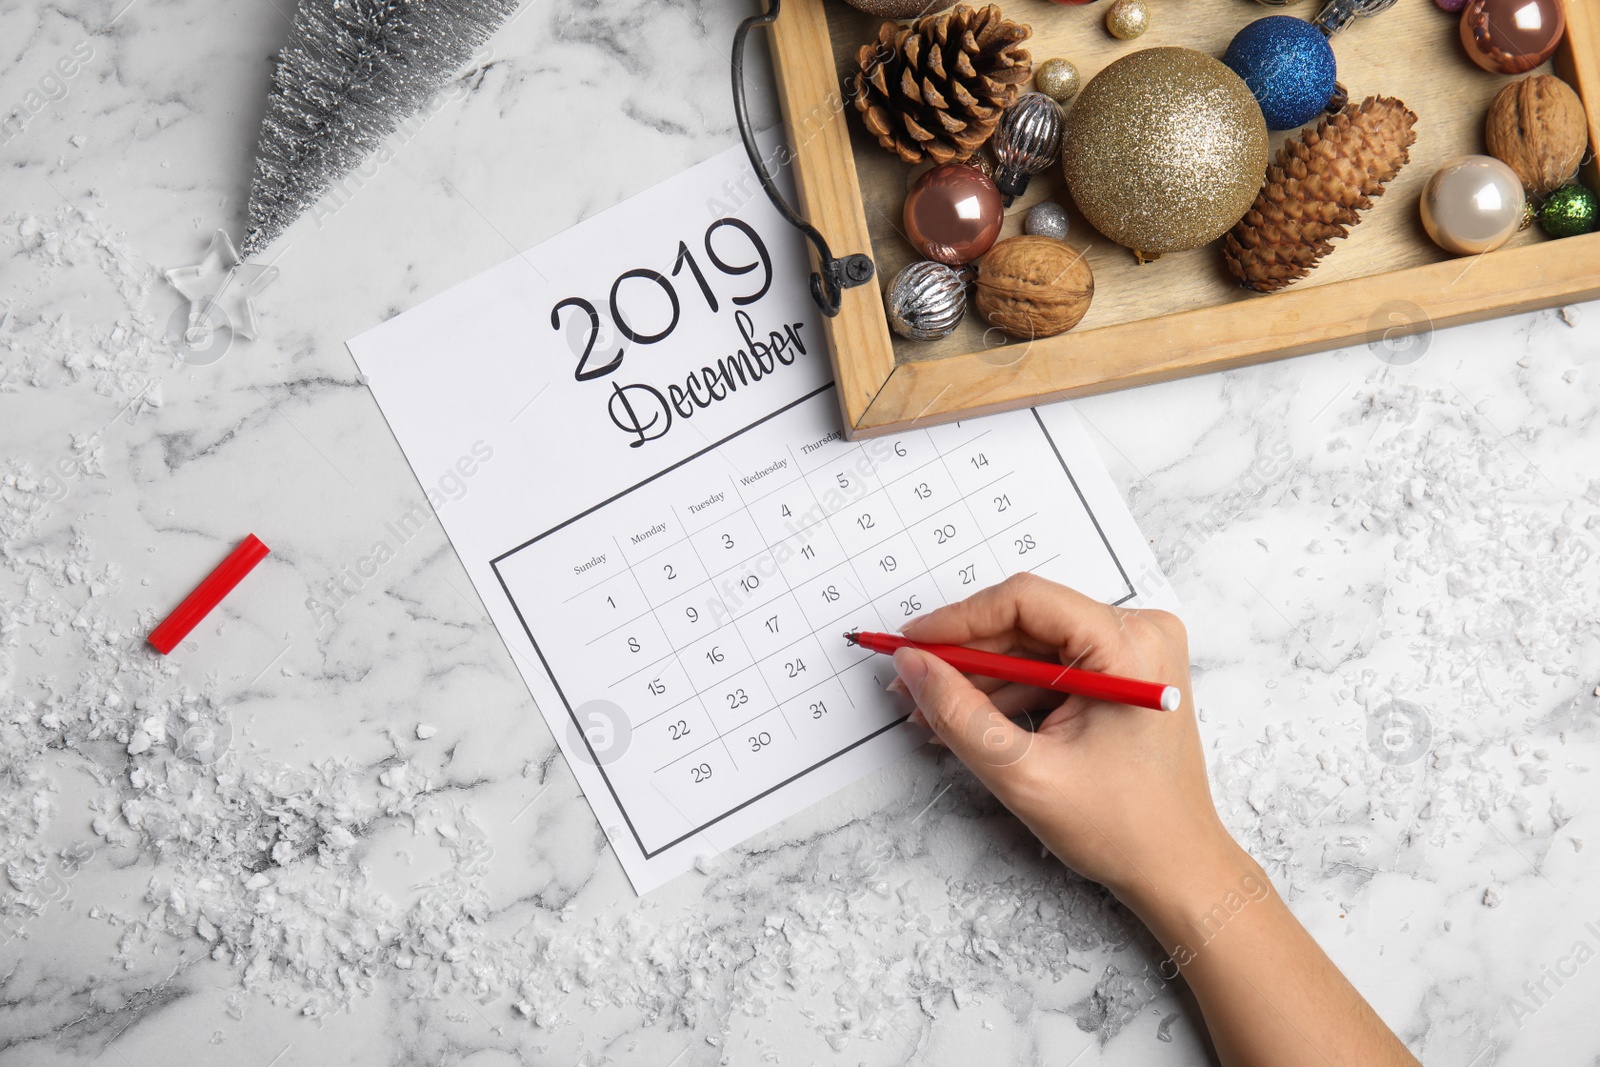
(1127,19)
(1165,150)
(1057,79)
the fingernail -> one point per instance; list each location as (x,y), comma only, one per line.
(911,666)
(897,687)
(913,622)
(916,718)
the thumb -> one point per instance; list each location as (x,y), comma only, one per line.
(960,714)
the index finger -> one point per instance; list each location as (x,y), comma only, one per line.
(1039,608)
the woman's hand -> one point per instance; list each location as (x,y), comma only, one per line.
(1117,793)
(1120,794)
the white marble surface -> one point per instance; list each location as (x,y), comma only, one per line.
(335,888)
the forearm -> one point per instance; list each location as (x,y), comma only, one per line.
(1269,994)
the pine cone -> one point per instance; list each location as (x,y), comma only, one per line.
(1316,191)
(935,89)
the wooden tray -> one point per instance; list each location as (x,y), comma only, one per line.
(1181,314)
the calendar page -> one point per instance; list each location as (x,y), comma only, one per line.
(631,436)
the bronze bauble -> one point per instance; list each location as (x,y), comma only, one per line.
(953,214)
(1511,36)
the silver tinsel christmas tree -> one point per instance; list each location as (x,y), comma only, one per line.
(353,70)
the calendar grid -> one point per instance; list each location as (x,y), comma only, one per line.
(900,519)
(496,561)
(781,648)
(851,560)
(732,620)
(928,542)
(667,547)
(788,589)
(765,711)
(741,726)
(653,613)
(965,499)
(988,542)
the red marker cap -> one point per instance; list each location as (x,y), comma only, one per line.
(208,594)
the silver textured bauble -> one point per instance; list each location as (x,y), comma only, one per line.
(925,301)
(1047,219)
(1028,142)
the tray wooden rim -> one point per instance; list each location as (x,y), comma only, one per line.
(878,395)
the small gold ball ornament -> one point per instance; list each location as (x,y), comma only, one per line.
(1127,19)
(1058,79)
(1165,150)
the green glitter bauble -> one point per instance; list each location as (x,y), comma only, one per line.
(1570,211)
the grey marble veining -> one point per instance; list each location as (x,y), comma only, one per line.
(381,856)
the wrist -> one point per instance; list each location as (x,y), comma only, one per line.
(1191,898)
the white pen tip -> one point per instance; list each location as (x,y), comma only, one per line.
(1171,698)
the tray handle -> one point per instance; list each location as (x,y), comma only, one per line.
(834,274)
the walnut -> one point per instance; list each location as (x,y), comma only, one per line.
(1033,286)
(1536,127)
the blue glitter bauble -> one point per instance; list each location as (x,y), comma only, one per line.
(1288,65)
